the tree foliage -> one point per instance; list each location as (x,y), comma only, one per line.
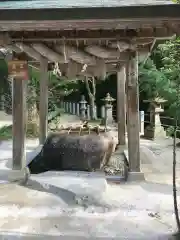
(170,53)
(160,76)
(151,80)
(58,88)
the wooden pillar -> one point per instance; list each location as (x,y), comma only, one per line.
(43,105)
(121,105)
(133,113)
(19,123)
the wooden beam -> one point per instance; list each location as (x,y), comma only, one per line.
(29,51)
(121,105)
(143,54)
(19,123)
(14,48)
(175,27)
(70,70)
(101,69)
(106,34)
(43,106)
(142,41)
(49,53)
(123,57)
(75,54)
(138,42)
(102,52)
(4,39)
(149,53)
(33,66)
(75,70)
(133,113)
(151,48)
(123,46)
(22,56)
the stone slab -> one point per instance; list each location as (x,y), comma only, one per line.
(31,155)
(13,175)
(136,176)
(7,174)
(81,183)
(38,214)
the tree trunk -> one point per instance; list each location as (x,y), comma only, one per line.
(92,95)
(92,107)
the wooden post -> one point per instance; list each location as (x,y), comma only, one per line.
(19,123)
(133,113)
(43,106)
(121,105)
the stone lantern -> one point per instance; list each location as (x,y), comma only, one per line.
(155,129)
(108,100)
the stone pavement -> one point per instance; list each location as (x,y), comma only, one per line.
(121,212)
(56,208)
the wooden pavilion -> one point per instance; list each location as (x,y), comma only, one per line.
(85,38)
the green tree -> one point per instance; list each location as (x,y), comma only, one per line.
(170,61)
(160,75)
(90,83)
(169,53)
(57,89)
(151,80)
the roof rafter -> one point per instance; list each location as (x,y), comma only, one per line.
(29,50)
(102,52)
(49,53)
(75,54)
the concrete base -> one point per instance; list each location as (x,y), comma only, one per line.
(20,176)
(136,176)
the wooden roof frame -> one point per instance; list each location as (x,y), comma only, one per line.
(137,26)
(124,19)
(123,12)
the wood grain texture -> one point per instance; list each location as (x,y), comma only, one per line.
(133,114)
(19,123)
(43,107)
(121,105)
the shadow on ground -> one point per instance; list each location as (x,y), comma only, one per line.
(71,198)
(67,196)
